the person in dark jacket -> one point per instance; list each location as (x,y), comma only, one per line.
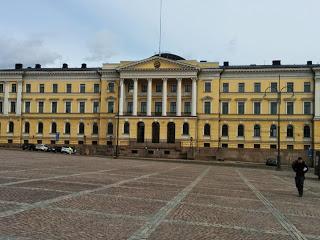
(300,168)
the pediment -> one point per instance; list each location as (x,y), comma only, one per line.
(157,63)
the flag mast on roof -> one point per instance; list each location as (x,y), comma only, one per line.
(160,34)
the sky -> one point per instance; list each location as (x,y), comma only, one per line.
(52,32)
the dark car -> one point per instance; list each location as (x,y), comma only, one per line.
(271,162)
(57,149)
(28,146)
(51,149)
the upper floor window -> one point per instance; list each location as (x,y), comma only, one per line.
(158,87)
(54,107)
(40,107)
(95,107)
(257,108)
(256,130)
(257,87)
(273,108)
(306,131)
(143,107)
(41,88)
(241,87)
(207,86)
(96,88)
(290,131)
(144,88)
(53,127)
(110,129)
(1,107)
(307,87)
(111,87)
(27,107)
(26,127)
(67,128)
(225,130)
(187,88)
(225,108)
(95,129)
(307,108)
(110,107)
(14,88)
(11,127)
(290,87)
(187,107)
(126,128)
(82,107)
(274,87)
(55,88)
(206,129)
(158,108)
(273,131)
(12,107)
(290,108)
(82,88)
(130,107)
(207,107)
(1,88)
(173,88)
(185,129)
(28,88)
(40,127)
(225,87)
(240,130)
(240,107)
(68,107)
(69,88)
(173,108)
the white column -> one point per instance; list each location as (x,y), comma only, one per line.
(194,98)
(164,96)
(149,97)
(179,97)
(135,97)
(317,98)
(6,98)
(19,98)
(121,98)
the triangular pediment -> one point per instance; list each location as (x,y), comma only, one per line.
(157,63)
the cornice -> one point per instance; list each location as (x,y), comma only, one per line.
(267,70)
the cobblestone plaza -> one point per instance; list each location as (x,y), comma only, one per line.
(53,196)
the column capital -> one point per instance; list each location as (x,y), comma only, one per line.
(149,79)
(164,79)
(194,79)
(135,79)
(179,79)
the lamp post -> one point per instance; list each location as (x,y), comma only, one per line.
(118,121)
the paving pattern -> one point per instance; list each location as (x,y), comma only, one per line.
(53,196)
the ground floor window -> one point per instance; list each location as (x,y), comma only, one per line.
(256,145)
(80,142)
(240,145)
(94,142)
(39,141)
(273,146)
(25,141)
(10,141)
(66,142)
(224,145)
(206,145)
(53,142)
(290,147)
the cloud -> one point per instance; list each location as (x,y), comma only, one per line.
(28,52)
(103,46)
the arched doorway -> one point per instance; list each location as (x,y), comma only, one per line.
(171,133)
(155,132)
(140,132)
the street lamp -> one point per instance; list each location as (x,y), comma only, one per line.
(278,113)
(118,122)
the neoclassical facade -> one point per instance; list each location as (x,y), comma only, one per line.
(163,102)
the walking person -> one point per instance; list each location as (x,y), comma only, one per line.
(300,168)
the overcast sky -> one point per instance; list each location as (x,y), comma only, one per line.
(51,32)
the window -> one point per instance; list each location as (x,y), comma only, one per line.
(52,142)
(53,127)
(207,86)
(307,107)
(1,88)
(173,88)
(12,107)
(257,87)
(240,107)
(144,88)
(225,131)
(110,129)
(307,87)
(256,130)
(173,108)
(82,88)
(290,108)
(11,127)
(68,107)
(126,128)
(240,145)
(143,107)
(95,128)
(40,127)
(274,87)
(14,88)
(256,145)
(290,87)
(273,146)
(95,107)
(240,130)
(26,127)
(187,107)
(290,147)
(290,131)
(273,131)
(225,87)
(41,88)
(27,107)
(241,87)
(55,88)
(306,132)
(206,145)
(40,107)
(96,88)
(1,107)
(185,129)
(224,145)
(110,107)
(273,108)
(158,108)
(81,128)
(130,107)
(225,108)
(257,108)
(158,87)
(28,88)
(207,107)
(187,88)
(39,141)
(80,142)
(130,86)
(111,87)
(69,88)
(67,128)
(206,130)
(82,107)
(54,106)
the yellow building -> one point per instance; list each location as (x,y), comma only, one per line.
(167,105)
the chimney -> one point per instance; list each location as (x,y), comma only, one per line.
(309,63)
(64,65)
(276,62)
(83,65)
(18,66)
(37,66)
(226,64)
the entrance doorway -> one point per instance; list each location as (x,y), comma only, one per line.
(155,132)
(171,133)
(140,132)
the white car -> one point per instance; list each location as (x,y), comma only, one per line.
(68,150)
(42,147)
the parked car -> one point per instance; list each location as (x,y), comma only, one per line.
(42,147)
(28,146)
(52,149)
(68,150)
(58,149)
(272,162)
